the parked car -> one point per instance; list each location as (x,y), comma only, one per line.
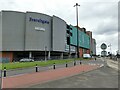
(26,60)
(86,56)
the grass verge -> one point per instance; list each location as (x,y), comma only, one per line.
(15,65)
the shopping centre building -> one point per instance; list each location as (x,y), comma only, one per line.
(39,36)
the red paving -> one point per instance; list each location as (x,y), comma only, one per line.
(40,77)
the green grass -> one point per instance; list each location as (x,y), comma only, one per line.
(32,64)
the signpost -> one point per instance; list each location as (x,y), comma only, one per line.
(103,47)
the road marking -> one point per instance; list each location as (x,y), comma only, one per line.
(101,65)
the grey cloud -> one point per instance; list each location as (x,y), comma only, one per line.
(102,17)
(95,10)
(107,28)
(108,39)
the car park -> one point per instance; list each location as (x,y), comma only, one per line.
(26,60)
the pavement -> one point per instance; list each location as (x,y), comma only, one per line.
(15,72)
(103,77)
(26,80)
(112,63)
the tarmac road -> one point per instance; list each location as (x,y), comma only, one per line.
(32,69)
(104,77)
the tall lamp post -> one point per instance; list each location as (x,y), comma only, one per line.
(77,29)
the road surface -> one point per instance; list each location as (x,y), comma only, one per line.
(15,72)
(104,77)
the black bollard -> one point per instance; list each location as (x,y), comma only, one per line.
(74,63)
(36,68)
(54,66)
(4,71)
(66,64)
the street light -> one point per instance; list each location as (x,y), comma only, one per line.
(77,29)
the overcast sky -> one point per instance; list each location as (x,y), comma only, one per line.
(98,16)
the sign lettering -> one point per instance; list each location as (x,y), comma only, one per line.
(38,20)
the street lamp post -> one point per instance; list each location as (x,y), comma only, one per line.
(77,29)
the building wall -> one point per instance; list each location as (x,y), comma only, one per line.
(94,46)
(91,47)
(13,25)
(8,55)
(32,31)
(84,39)
(73,38)
(58,34)
(0,32)
(81,52)
(38,32)
(88,51)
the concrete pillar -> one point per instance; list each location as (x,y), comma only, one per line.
(69,55)
(30,54)
(49,55)
(76,55)
(81,52)
(76,52)
(61,56)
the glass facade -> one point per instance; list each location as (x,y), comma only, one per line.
(84,39)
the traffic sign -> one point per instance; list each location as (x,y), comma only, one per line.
(103,46)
